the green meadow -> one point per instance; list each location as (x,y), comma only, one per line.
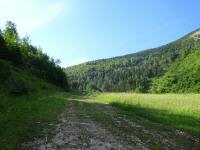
(180,111)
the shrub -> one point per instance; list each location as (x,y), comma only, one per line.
(5,70)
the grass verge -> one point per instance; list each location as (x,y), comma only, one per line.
(21,115)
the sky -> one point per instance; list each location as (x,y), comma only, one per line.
(76,31)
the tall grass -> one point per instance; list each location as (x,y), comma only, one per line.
(177,110)
(25,116)
(26,102)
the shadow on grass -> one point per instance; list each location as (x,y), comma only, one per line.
(180,121)
(152,120)
(187,123)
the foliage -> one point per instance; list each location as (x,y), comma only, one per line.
(134,72)
(182,76)
(25,96)
(140,89)
(92,88)
(20,53)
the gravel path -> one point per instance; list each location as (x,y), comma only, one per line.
(84,126)
(77,131)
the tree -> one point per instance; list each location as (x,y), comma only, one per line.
(91,87)
(2,42)
(21,53)
(10,32)
(12,50)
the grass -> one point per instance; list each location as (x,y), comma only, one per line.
(180,111)
(118,121)
(27,105)
(19,116)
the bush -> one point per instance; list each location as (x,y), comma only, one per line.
(19,86)
(92,88)
(16,83)
(140,89)
(5,70)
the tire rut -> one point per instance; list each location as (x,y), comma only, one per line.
(80,128)
(76,130)
(149,136)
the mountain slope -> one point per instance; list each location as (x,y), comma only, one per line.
(182,76)
(133,72)
(18,58)
(31,86)
(26,102)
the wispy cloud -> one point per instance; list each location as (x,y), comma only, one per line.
(30,15)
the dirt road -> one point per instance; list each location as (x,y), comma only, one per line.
(93,126)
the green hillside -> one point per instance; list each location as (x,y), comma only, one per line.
(182,76)
(31,88)
(20,60)
(136,72)
(25,101)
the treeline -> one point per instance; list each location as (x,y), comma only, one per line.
(135,72)
(20,53)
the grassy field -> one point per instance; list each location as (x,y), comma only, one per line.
(24,117)
(180,111)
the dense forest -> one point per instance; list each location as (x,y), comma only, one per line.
(168,68)
(182,76)
(19,60)
(174,67)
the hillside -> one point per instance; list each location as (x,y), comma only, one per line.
(138,71)
(182,76)
(20,61)
(31,88)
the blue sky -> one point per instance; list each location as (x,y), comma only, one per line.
(76,31)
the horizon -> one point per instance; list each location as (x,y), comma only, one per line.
(80,31)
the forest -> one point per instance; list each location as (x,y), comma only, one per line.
(19,55)
(161,70)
